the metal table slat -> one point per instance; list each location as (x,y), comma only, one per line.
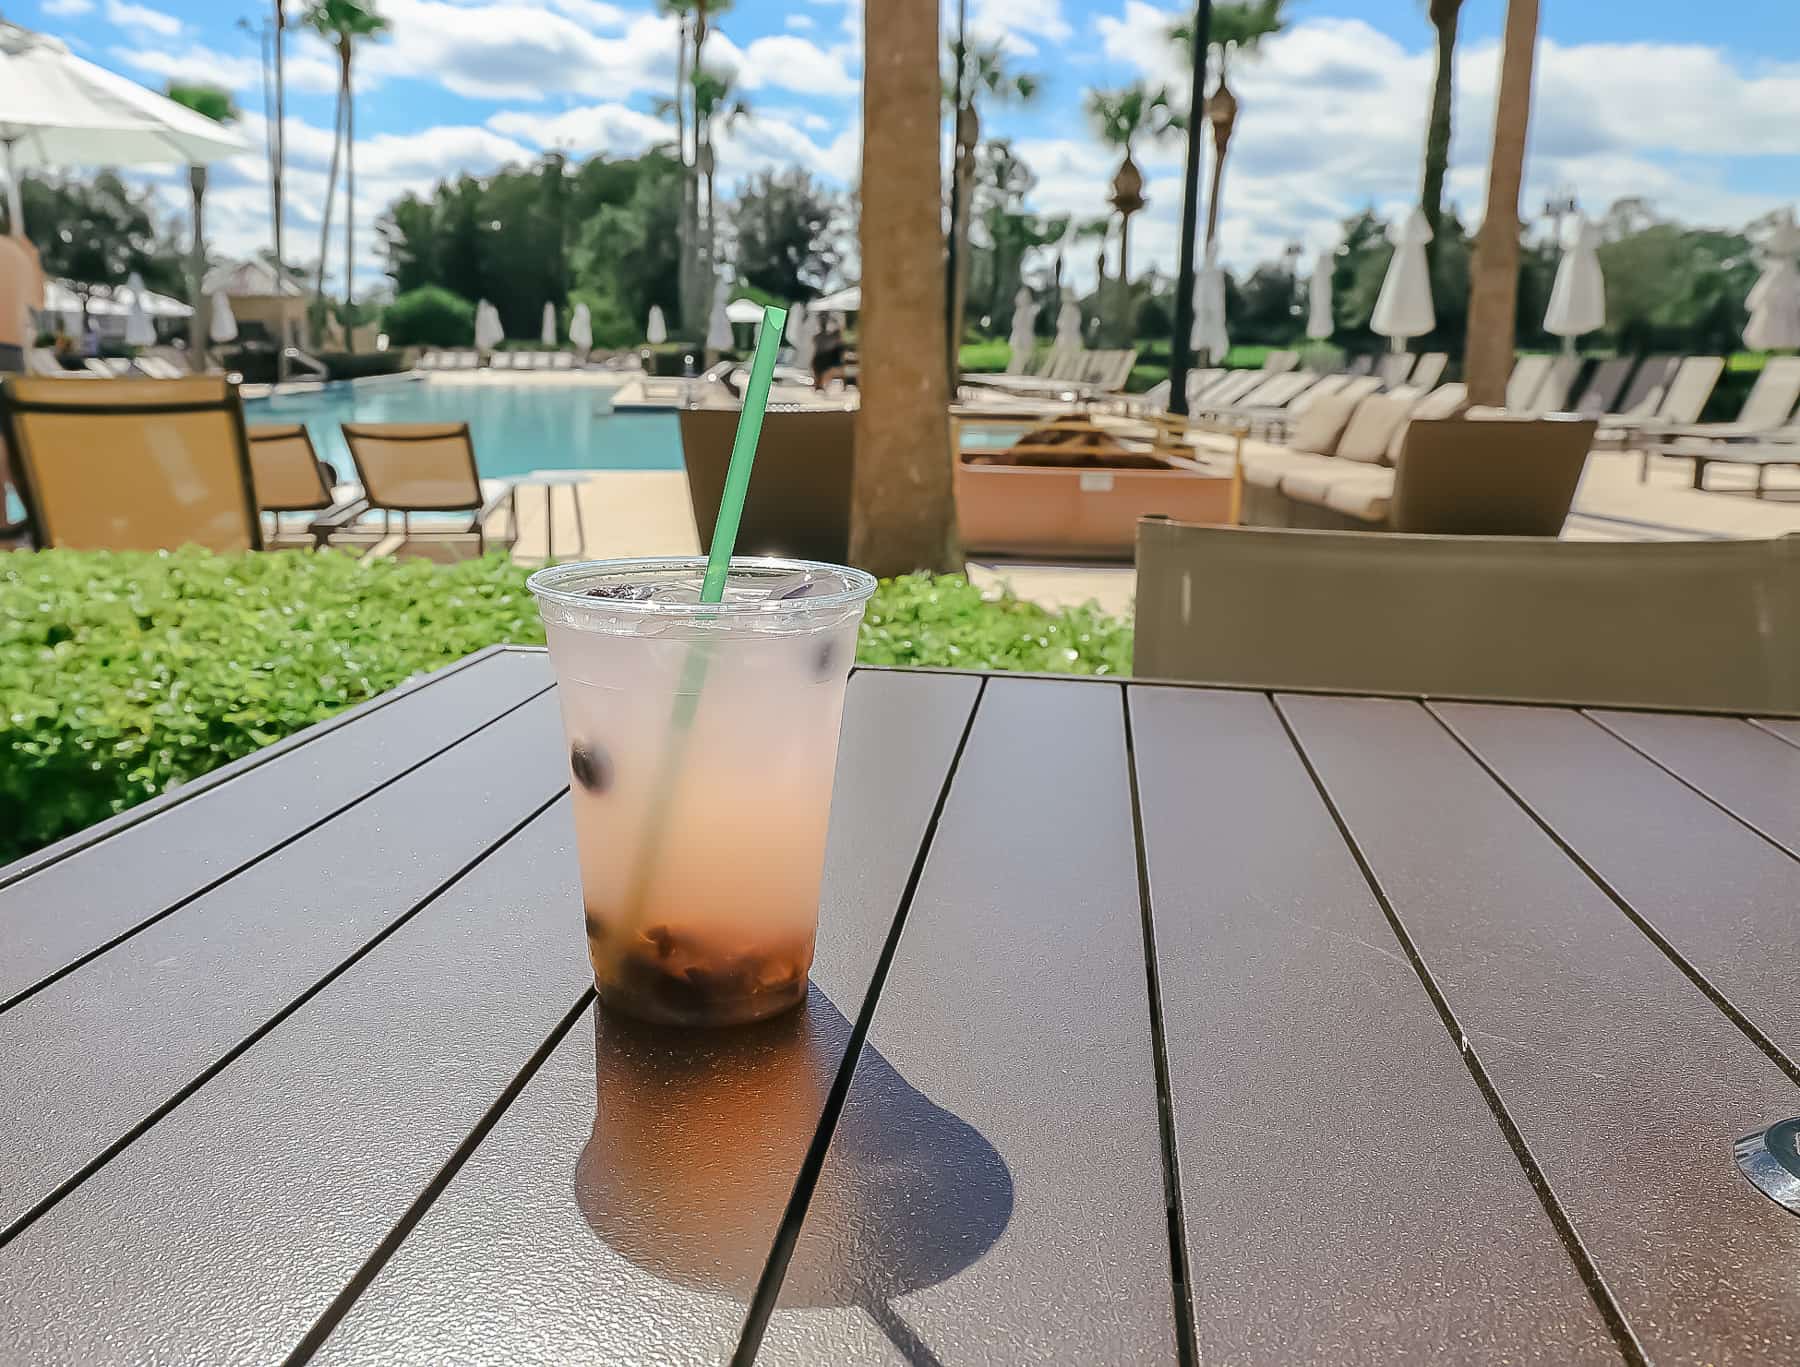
(994,1187)
(1722,898)
(1349,1195)
(97,1052)
(225,1231)
(1748,772)
(528,1255)
(1625,1083)
(146,868)
(1787,728)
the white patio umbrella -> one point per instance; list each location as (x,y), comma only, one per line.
(744,311)
(1578,295)
(718,326)
(656,332)
(581,329)
(1068,325)
(1319,324)
(489,332)
(1024,327)
(846,300)
(799,336)
(224,324)
(1774,301)
(139,330)
(57,109)
(547,333)
(1403,308)
(1209,338)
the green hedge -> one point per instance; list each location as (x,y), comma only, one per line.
(431,316)
(124,675)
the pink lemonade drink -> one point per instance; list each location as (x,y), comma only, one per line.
(702,745)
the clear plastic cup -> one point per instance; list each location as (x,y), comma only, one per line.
(702,745)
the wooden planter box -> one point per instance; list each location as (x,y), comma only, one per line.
(1078,512)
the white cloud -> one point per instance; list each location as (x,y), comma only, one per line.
(612,129)
(306,71)
(1014,23)
(799,22)
(68,8)
(596,12)
(142,17)
(787,62)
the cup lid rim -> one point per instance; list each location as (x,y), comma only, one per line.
(550,585)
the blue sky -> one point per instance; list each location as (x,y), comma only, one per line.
(1638,98)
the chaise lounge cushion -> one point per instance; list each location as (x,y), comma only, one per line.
(1361,491)
(1372,427)
(1323,424)
(1267,467)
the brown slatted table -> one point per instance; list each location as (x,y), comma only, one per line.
(1148,1024)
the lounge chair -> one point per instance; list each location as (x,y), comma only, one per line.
(1528,375)
(1429,370)
(1682,403)
(1361,365)
(287,473)
(468,359)
(132,464)
(1603,387)
(1559,380)
(799,502)
(158,368)
(409,468)
(562,360)
(1278,362)
(501,360)
(1767,407)
(1395,367)
(1648,385)
(1683,624)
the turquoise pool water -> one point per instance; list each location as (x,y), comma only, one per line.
(517,428)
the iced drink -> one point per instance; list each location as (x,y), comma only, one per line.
(702,742)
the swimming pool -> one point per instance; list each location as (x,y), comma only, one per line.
(517,428)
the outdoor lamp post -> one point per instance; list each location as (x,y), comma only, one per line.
(1221,113)
(1127,199)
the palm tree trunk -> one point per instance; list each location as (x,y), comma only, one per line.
(1437,133)
(902,511)
(349,201)
(961,174)
(684,279)
(197,264)
(1220,147)
(1494,273)
(337,143)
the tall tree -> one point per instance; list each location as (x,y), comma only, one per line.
(787,234)
(902,512)
(341,23)
(1494,274)
(695,23)
(1121,117)
(716,105)
(979,73)
(1236,28)
(212,102)
(1444,15)
(95,230)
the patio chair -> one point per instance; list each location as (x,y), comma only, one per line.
(1705,625)
(1603,387)
(1682,403)
(159,368)
(502,360)
(1429,370)
(1528,375)
(1648,385)
(1361,365)
(799,502)
(287,473)
(1767,407)
(1559,381)
(1278,362)
(131,464)
(562,360)
(1395,367)
(408,468)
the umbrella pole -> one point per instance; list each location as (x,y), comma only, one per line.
(15,203)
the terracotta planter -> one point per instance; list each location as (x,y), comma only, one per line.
(1077,512)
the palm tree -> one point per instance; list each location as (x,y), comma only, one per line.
(214,103)
(1444,15)
(1494,272)
(341,23)
(716,105)
(693,285)
(981,73)
(1121,117)
(1236,27)
(902,512)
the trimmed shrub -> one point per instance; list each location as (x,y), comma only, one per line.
(429,316)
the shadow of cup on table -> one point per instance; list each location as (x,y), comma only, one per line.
(698,1137)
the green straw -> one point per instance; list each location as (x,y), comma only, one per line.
(743,455)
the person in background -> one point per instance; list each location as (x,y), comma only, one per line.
(828,352)
(21,290)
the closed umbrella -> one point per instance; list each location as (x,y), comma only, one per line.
(547,333)
(1319,325)
(846,300)
(799,336)
(1024,328)
(718,326)
(1578,296)
(224,325)
(581,330)
(57,109)
(489,332)
(656,332)
(1403,308)
(1774,301)
(1209,338)
(744,311)
(139,330)
(1068,325)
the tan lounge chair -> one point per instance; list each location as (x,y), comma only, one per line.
(1603,387)
(132,464)
(1767,407)
(799,502)
(1428,371)
(1395,368)
(1528,374)
(1553,394)
(501,360)
(287,473)
(1684,624)
(407,468)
